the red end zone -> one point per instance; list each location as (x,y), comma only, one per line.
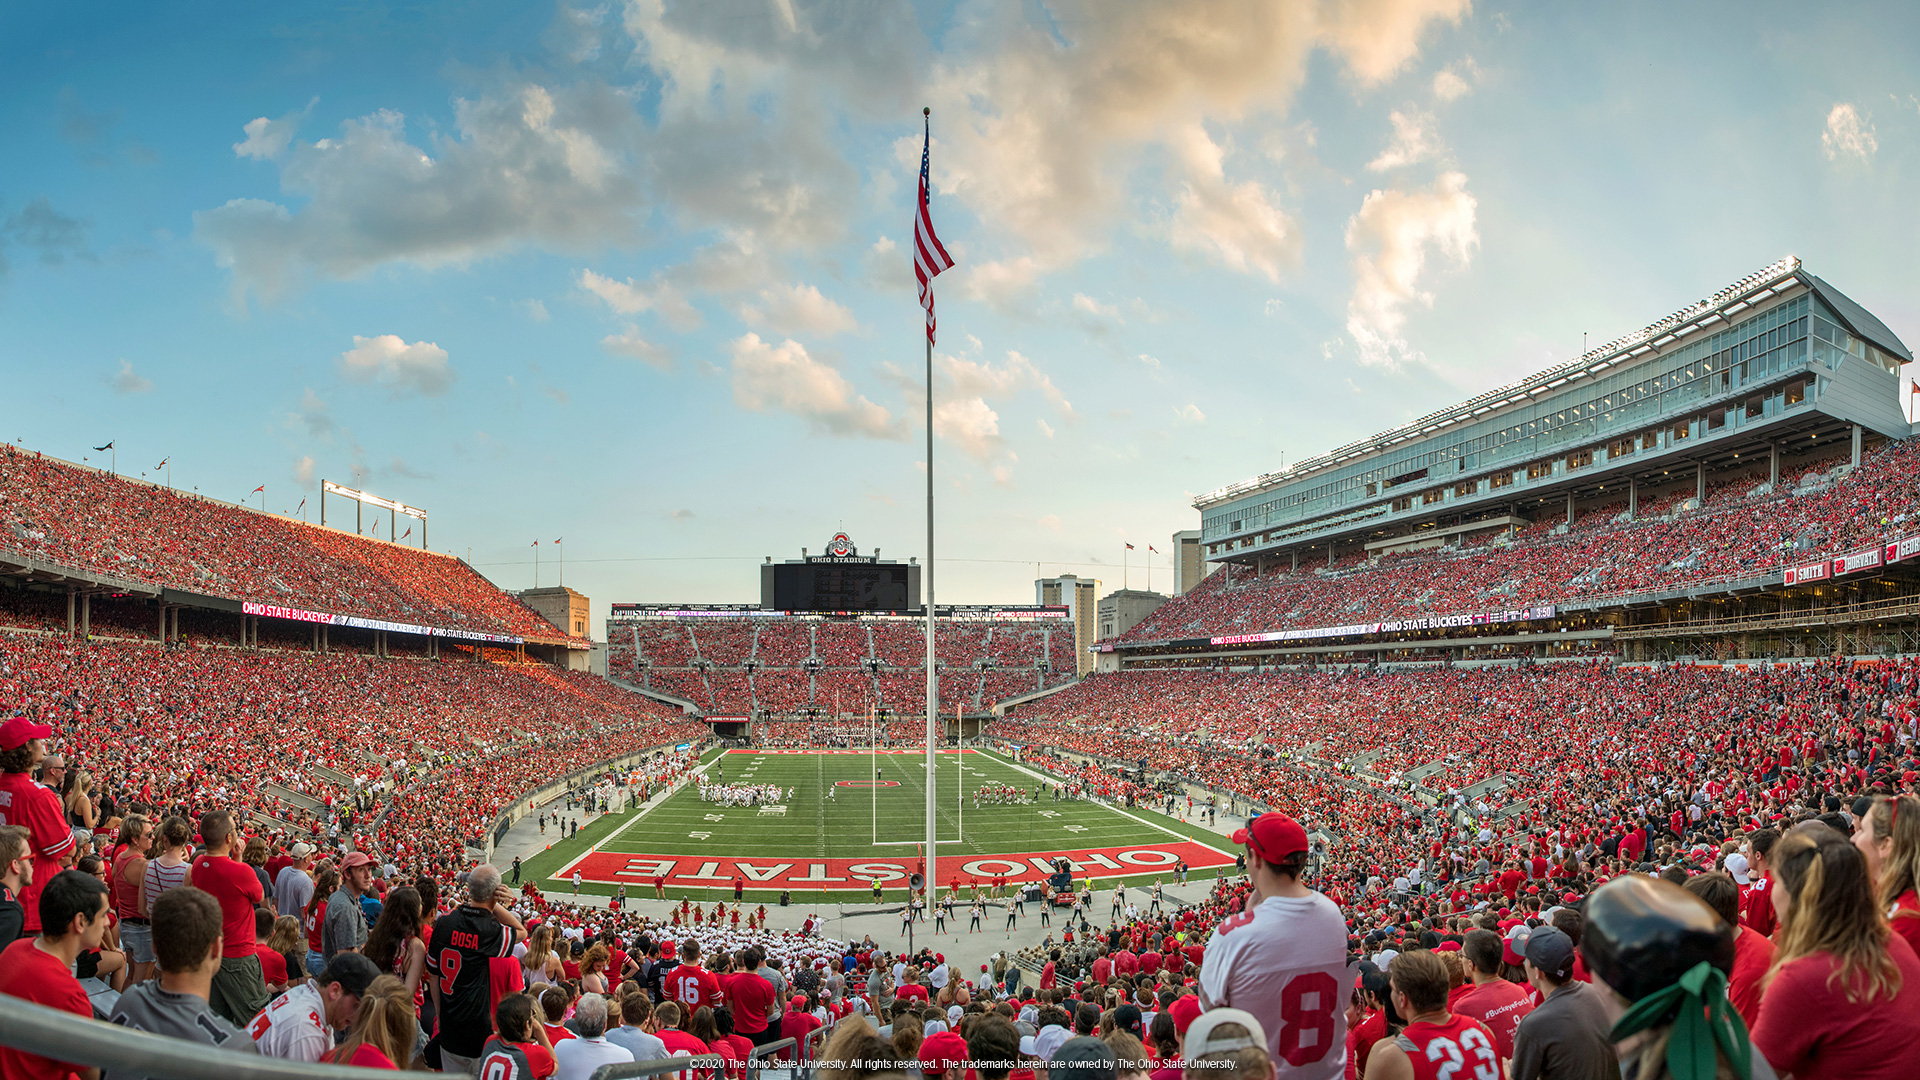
(610,868)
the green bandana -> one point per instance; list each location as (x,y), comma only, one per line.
(1697,1005)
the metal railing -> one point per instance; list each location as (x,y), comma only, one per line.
(63,1036)
(702,1066)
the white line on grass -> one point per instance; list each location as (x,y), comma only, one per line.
(566,871)
(1115,809)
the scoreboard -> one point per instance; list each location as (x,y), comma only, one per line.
(840,586)
(840,579)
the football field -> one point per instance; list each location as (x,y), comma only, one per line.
(845,820)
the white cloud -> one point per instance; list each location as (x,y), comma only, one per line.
(1046,429)
(420,367)
(1235,224)
(968,378)
(1848,135)
(790,310)
(531,167)
(1390,238)
(1004,284)
(969,424)
(657,295)
(784,378)
(1413,141)
(1378,37)
(1189,414)
(1044,118)
(1456,80)
(533,309)
(1095,317)
(630,344)
(1050,522)
(303,472)
(127,382)
(313,415)
(268,139)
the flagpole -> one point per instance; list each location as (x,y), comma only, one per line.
(933,675)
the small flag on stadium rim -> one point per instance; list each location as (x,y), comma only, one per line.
(930,257)
(1129,547)
(1153,549)
(162,465)
(109,446)
(259,490)
(1910,382)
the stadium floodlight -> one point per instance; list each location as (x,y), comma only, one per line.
(361,499)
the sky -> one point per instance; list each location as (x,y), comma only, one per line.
(637,276)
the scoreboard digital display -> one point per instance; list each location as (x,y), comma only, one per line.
(843,586)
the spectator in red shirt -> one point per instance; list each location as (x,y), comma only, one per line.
(1752,953)
(1757,910)
(34,807)
(751,997)
(1844,997)
(239,990)
(797,1023)
(1888,834)
(1490,999)
(273,966)
(73,914)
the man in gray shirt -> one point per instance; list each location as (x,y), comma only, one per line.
(293,889)
(1566,1037)
(770,971)
(345,927)
(187,944)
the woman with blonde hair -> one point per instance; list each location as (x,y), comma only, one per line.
(1843,996)
(593,967)
(1888,834)
(77,795)
(535,961)
(382,1035)
(290,942)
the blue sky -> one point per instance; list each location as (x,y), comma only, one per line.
(635,275)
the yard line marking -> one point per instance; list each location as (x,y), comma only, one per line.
(1149,824)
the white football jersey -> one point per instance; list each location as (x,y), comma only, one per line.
(1286,963)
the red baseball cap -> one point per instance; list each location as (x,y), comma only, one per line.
(941,1051)
(1184,1010)
(1272,836)
(18,731)
(356,858)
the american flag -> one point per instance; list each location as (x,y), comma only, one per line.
(929,256)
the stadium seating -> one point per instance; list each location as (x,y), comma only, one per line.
(90,520)
(411,758)
(801,664)
(1741,530)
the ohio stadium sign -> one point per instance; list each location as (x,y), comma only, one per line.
(610,868)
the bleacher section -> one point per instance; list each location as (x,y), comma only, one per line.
(787,666)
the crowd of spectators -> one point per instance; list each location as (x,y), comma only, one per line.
(92,520)
(1744,528)
(789,666)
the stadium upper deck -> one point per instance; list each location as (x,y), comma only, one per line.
(85,532)
(1779,358)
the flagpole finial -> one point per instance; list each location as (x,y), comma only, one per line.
(926,110)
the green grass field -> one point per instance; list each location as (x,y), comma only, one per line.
(846,827)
